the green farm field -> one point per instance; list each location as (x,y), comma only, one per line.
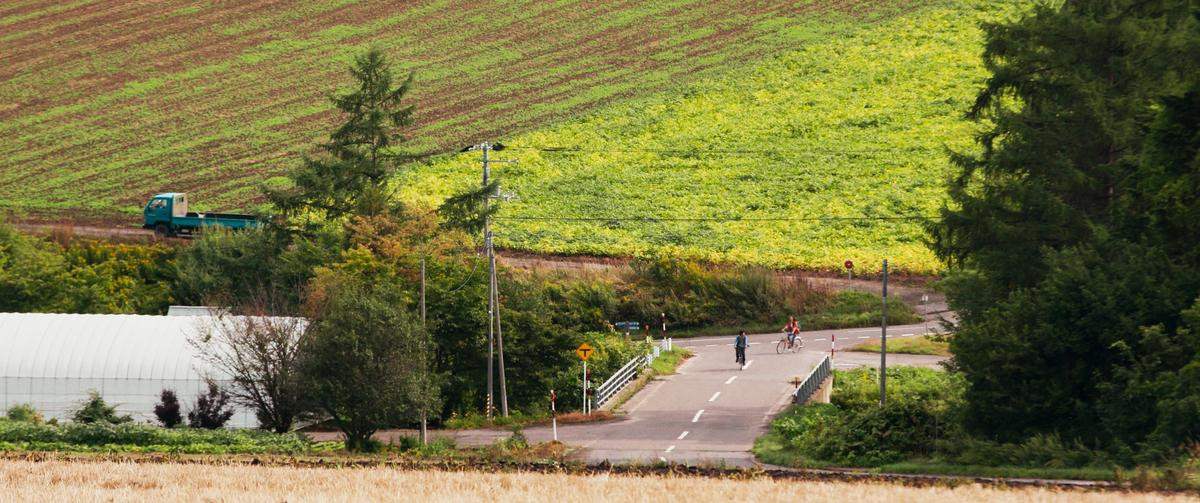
(103,103)
(833,151)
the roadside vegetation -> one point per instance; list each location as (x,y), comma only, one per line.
(922,430)
(30,434)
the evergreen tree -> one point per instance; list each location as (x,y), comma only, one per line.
(361,152)
(1073,233)
(1070,92)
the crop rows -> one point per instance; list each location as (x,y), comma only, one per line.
(831,152)
(105,103)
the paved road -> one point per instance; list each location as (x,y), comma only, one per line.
(711,411)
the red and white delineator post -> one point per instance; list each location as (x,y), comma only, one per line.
(553,416)
(832,345)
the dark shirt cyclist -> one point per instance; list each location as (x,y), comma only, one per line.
(739,348)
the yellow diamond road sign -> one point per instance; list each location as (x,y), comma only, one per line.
(584,351)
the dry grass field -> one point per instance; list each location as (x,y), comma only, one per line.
(111,481)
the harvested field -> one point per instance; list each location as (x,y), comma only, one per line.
(109,481)
(105,103)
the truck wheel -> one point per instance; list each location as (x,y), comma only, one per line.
(162,230)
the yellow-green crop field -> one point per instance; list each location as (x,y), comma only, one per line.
(104,103)
(832,151)
(780,133)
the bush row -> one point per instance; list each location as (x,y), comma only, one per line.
(104,436)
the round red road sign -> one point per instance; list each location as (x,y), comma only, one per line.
(849,264)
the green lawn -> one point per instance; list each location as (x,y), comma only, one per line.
(909,346)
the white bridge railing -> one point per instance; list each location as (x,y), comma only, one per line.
(813,382)
(628,372)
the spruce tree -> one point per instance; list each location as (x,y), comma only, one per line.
(1072,232)
(361,153)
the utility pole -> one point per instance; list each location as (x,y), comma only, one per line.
(499,335)
(883,343)
(495,334)
(424,429)
(487,245)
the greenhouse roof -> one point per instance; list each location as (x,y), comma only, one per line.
(101,346)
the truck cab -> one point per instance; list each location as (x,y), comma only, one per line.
(162,209)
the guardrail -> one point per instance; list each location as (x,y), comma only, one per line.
(813,382)
(628,372)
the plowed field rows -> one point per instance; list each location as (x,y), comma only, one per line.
(103,103)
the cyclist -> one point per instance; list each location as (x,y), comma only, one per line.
(739,348)
(793,329)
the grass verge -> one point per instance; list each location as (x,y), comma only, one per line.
(475,421)
(923,345)
(771,448)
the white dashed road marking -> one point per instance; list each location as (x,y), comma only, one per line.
(669,449)
(747,365)
(714,397)
(696,418)
(681,435)
(727,381)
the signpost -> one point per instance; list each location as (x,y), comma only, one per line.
(584,351)
(849,269)
(883,343)
(925,310)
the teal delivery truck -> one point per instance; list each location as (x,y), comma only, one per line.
(168,215)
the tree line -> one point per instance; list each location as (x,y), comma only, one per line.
(1072,231)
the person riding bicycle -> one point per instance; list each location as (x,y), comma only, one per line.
(792,329)
(739,348)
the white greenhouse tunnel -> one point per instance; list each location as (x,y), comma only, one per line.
(52,362)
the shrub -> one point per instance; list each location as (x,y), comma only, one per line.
(95,410)
(25,413)
(167,410)
(211,410)
(923,411)
(1038,451)
(516,441)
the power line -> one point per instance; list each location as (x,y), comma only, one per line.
(719,219)
(699,151)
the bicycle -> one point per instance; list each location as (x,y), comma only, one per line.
(783,344)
